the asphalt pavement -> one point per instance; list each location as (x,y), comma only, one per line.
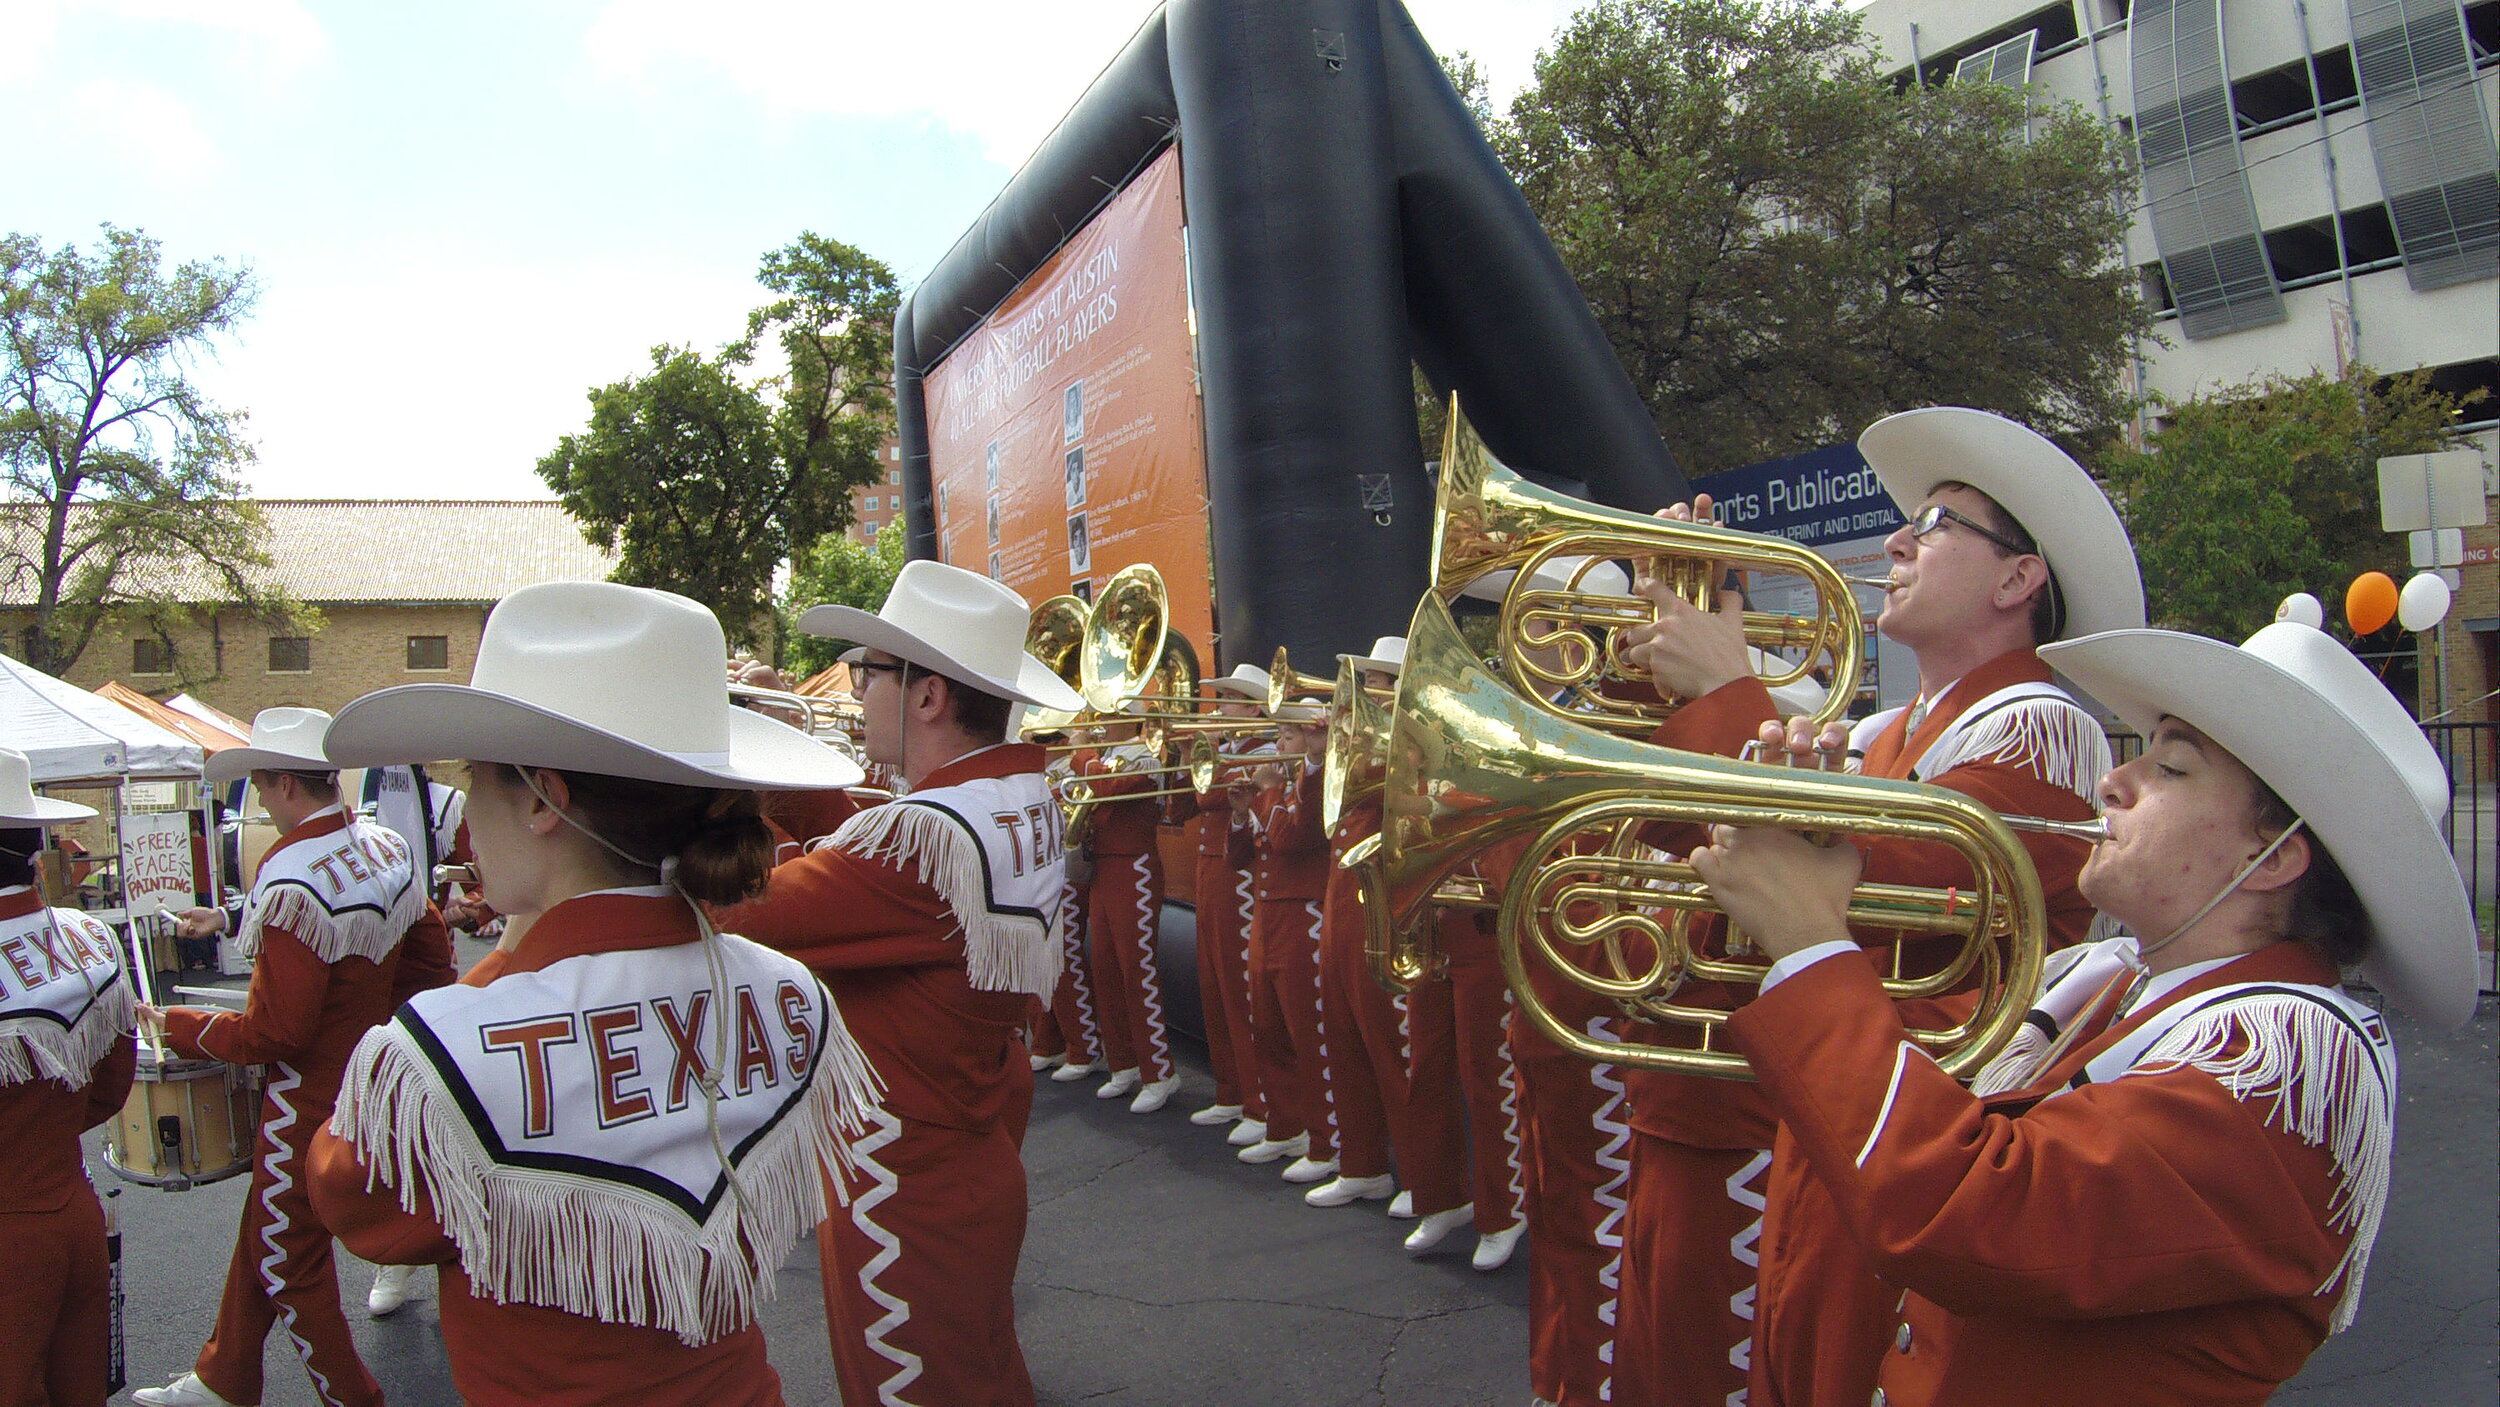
(1159,1271)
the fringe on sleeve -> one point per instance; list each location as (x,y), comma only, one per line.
(2052,738)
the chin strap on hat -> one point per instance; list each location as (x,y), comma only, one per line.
(706,1079)
(2227,891)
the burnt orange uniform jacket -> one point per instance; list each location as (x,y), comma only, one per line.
(1292,861)
(1818,1316)
(54,1323)
(2148,1238)
(1120,827)
(526,1355)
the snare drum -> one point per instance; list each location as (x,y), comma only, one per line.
(186,1122)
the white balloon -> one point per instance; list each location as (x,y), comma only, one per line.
(2423,602)
(2301,608)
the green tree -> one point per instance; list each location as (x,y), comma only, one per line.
(708,473)
(2260,490)
(1783,247)
(839,572)
(124,492)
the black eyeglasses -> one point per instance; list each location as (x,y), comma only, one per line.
(1933,516)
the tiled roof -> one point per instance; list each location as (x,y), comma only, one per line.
(389,549)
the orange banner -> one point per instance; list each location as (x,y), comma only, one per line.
(1065,439)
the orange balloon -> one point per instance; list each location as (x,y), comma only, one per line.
(2370,603)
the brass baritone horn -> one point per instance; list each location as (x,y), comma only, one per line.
(1054,637)
(1473,764)
(1358,732)
(1486,518)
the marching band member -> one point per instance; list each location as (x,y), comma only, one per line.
(1279,801)
(2167,1187)
(1368,1078)
(612,1131)
(1224,857)
(1064,1034)
(66,1058)
(2009,545)
(327,912)
(1123,908)
(932,918)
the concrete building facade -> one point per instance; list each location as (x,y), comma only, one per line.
(2320,187)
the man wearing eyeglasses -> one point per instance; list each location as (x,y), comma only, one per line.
(1735,1267)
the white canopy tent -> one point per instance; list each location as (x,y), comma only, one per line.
(70,735)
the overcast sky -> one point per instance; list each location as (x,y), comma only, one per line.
(464,215)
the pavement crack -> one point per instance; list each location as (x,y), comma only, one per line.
(1105,1171)
(1193,1302)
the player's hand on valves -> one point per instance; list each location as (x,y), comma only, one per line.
(1786,891)
(1688,651)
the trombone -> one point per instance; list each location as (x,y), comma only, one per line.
(1471,763)
(1569,641)
(1206,769)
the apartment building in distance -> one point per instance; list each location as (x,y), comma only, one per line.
(878,505)
(2320,186)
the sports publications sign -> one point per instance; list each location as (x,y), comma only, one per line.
(1830,500)
(1065,439)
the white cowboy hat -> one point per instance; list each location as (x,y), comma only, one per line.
(283,740)
(590,676)
(956,623)
(2313,723)
(19,806)
(1388,655)
(1247,681)
(2034,481)
(1300,711)
(1554,574)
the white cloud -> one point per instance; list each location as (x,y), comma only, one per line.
(140,129)
(279,33)
(1003,70)
(424,371)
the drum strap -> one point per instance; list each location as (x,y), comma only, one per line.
(64,1001)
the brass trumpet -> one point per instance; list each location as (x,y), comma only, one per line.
(1487,518)
(1285,683)
(1471,763)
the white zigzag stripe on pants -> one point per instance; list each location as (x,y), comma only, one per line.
(1508,1082)
(285,1082)
(1072,963)
(1613,1155)
(887,1127)
(1149,984)
(1319,1023)
(1744,1246)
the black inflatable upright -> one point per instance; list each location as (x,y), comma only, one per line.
(1346,218)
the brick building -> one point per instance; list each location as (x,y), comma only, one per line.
(403,587)
(879,504)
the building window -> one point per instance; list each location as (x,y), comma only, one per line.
(871,530)
(894,476)
(869,503)
(150,657)
(290,654)
(429,652)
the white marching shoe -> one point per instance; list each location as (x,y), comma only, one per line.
(1351,1189)
(184,1391)
(1072,1070)
(1432,1230)
(393,1286)
(1402,1207)
(1044,1062)
(1247,1132)
(1308,1169)
(1120,1083)
(1155,1095)
(1493,1248)
(1214,1114)
(1268,1150)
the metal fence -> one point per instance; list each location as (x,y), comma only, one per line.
(2471,752)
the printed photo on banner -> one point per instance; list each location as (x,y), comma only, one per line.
(997,571)
(1072,415)
(1080,551)
(992,456)
(993,520)
(1083,590)
(1076,478)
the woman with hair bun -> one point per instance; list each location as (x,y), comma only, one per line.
(609,1134)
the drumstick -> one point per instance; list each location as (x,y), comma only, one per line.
(143,976)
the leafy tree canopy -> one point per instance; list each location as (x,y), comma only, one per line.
(838,572)
(124,501)
(1783,247)
(2260,490)
(708,473)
